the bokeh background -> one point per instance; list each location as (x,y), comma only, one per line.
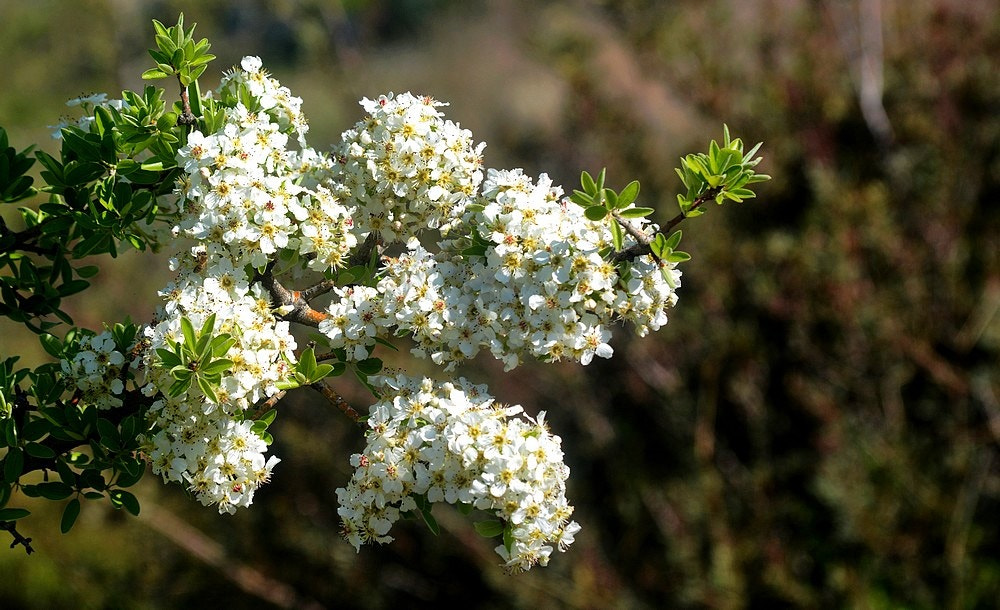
(818,425)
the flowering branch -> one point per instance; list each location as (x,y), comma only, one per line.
(517,272)
(296,308)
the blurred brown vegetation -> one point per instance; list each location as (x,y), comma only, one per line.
(818,425)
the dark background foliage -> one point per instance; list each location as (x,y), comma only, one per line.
(817,426)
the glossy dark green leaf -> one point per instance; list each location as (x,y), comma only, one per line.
(369,366)
(122,498)
(13,464)
(53,490)
(13,514)
(70,513)
(39,451)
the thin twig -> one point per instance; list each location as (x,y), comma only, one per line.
(642,247)
(301,312)
(186,117)
(266,405)
(11,527)
(316,290)
(337,400)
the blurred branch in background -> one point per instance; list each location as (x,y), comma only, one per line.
(859,28)
(249,579)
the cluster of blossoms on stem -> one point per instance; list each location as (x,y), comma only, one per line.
(449,442)
(520,272)
(96,370)
(407,167)
(247,192)
(246,197)
(199,441)
(539,286)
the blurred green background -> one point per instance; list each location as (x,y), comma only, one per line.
(818,425)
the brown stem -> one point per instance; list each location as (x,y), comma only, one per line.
(186,117)
(642,248)
(337,400)
(247,577)
(301,312)
(265,405)
(318,289)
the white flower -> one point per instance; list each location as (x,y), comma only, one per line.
(479,454)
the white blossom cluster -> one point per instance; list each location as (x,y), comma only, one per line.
(449,442)
(248,193)
(541,287)
(96,371)
(520,273)
(203,444)
(407,168)
(246,197)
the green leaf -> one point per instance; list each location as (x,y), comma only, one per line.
(70,513)
(678,257)
(13,464)
(508,536)
(209,325)
(222,344)
(52,490)
(207,389)
(616,236)
(13,514)
(187,329)
(268,417)
(39,451)
(610,199)
(110,437)
(431,522)
(73,287)
(596,213)
(628,194)
(635,212)
(216,367)
(87,271)
(121,498)
(588,184)
(51,344)
(369,366)
(168,359)
(674,240)
(488,529)
(131,474)
(582,199)
(307,362)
